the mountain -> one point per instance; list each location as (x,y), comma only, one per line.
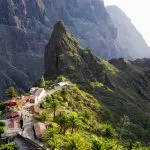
(25,28)
(123,87)
(128,35)
(22,44)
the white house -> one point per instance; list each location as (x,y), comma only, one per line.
(36,94)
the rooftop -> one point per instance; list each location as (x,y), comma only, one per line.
(36,91)
(39,128)
(17,101)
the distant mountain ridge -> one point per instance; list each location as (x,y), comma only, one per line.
(128,36)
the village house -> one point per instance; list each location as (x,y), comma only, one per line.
(36,94)
(11,102)
(14,122)
(39,129)
(17,101)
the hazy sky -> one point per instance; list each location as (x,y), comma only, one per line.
(139,13)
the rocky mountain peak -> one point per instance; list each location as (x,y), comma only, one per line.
(64,56)
(60,27)
(58,31)
(57,46)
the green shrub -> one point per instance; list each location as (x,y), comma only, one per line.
(12,92)
(96,144)
(9,146)
(2,106)
(1,130)
(2,124)
(108,131)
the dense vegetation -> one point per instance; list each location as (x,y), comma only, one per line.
(2,125)
(122,87)
(3,144)
(76,122)
(12,92)
(9,146)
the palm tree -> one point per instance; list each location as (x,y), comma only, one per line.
(75,142)
(86,115)
(74,121)
(72,144)
(49,134)
(43,116)
(62,120)
(108,131)
(54,104)
(96,145)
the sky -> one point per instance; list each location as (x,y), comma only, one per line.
(139,13)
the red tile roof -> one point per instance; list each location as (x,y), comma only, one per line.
(39,128)
(15,101)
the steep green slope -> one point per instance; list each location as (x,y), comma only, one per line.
(122,86)
(78,124)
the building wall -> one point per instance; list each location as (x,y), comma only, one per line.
(41,95)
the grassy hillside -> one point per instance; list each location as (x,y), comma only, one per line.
(121,87)
(78,122)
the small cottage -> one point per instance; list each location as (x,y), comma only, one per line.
(36,94)
(39,129)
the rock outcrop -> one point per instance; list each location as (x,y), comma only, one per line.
(64,56)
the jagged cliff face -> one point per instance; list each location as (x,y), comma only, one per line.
(90,23)
(123,86)
(128,35)
(25,27)
(64,56)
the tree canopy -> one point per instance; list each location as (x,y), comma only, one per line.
(12,92)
